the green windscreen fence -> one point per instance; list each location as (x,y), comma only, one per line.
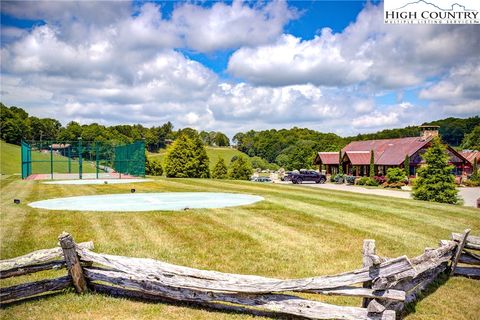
(82,160)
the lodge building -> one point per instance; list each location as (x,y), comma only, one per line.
(388,153)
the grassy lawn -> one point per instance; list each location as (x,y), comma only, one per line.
(214,153)
(295,232)
(11,161)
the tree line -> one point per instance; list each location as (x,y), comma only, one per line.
(296,148)
(291,149)
(188,158)
(17,125)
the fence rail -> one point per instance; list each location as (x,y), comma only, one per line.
(385,284)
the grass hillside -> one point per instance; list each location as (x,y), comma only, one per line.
(9,158)
(11,161)
(214,153)
(294,232)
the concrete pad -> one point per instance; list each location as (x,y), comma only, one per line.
(131,202)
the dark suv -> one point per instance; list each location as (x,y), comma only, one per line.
(307,175)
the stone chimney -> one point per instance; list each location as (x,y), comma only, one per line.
(428,132)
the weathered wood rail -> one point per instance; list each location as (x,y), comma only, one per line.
(385,284)
(468,254)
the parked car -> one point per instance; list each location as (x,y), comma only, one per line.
(287,176)
(307,175)
(261,179)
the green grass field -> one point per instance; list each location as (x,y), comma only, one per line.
(214,153)
(10,155)
(295,232)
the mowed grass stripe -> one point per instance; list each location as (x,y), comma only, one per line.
(295,232)
(452,221)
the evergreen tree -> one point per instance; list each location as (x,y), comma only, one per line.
(372,164)
(340,164)
(475,175)
(406,165)
(199,166)
(240,169)
(178,157)
(435,180)
(220,170)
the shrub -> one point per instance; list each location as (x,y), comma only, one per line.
(412,181)
(395,175)
(371,182)
(380,179)
(153,167)
(339,178)
(362,181)
(220,170)
(350,179)
(435,180)
(240,169)
(471,183)
(397,185)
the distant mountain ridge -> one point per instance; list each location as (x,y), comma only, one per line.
(434,5)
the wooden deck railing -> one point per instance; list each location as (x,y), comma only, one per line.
(385,284)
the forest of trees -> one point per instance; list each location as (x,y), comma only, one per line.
(288,148)
(295,148)
(16,124)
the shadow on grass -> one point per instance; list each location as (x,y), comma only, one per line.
(430,289)
(132,295)
(4,305)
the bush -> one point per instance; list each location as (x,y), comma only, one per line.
(371,182)
(153,167)
(362,181)
(471,183)
(350,179)
(339,178)
(395,175)
(412,181)
(380,179)
(367,181)
(395,185)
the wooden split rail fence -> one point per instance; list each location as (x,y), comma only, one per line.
(384,284)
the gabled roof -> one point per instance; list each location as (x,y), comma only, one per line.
(327,158)
(390,152)
(471,155)
(358,157)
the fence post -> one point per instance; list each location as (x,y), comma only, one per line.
(460,246)
(367,251)
(73,262)
(69,159)
(80,151)
(51,160)
(96,158)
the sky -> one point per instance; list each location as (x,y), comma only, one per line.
(332,66)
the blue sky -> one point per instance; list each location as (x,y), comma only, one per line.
(333,66)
